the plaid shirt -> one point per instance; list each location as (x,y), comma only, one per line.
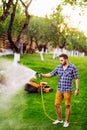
(65,77)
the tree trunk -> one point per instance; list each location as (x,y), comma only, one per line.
(13,45)
(37,44)
(31,41)
(25,26)
(17,44)
(6,10)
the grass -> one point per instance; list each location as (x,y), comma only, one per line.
(24,111)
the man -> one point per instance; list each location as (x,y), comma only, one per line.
(66,72)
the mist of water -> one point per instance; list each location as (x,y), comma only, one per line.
(14,77)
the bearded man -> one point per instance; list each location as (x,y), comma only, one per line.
(66,73)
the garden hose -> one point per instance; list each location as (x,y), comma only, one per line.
(45,112)
(42,97)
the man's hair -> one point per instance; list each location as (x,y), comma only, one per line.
(64,56)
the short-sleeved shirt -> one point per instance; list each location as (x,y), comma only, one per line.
(65,77)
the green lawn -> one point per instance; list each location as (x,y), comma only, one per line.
(25,112)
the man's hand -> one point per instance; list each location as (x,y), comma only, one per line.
(77,92)
(40,75)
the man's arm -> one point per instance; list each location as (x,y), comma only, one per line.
(48,75)
(77,87)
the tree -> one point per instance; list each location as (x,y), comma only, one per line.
(16,45)
(76,40)
(38,31)
(34,30)
(57,29)
(6,9)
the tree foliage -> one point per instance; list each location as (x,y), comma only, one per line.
(6,7)
(75,2)
(49,30)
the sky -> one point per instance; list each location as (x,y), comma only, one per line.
(46,7)
(43,7)
(77,21)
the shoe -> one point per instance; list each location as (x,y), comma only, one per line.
(66,124)
(57,121)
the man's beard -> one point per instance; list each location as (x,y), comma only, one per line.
(64,64)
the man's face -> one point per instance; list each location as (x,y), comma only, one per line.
(63,61)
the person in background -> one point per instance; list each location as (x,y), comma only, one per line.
(66,72)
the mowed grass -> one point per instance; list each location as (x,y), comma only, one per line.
(25,112)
